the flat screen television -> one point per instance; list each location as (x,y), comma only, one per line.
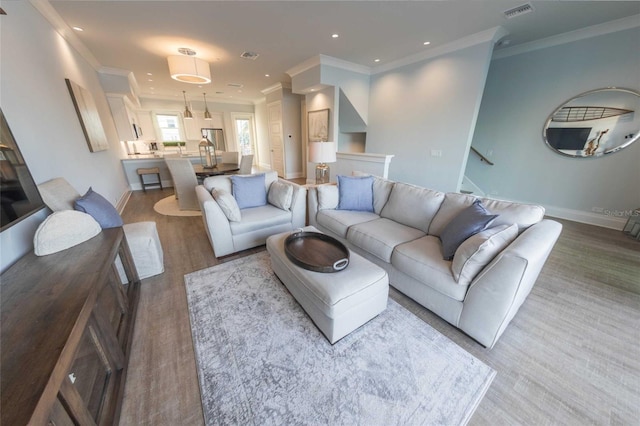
(19,196)
(570,138)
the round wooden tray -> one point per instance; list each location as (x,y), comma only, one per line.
(316,252)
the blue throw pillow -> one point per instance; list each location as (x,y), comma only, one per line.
(99,208)
(249,191)
(355,193)
(468,222)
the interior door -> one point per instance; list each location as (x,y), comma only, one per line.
(274,111)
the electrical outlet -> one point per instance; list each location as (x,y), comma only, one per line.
(436,153)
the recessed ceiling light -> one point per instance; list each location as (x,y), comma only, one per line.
(239,91)
(426,43)
(267,75)
(78,29)
(149,73)
(376,60)
(149,79)
(335,35)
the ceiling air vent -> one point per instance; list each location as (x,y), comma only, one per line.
(250,55)
(517,11)
(236,85)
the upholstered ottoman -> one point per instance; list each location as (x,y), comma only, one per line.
(145,248)
(338,302)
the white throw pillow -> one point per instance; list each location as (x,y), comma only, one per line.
(478,250)
(227,203)
(64,229)
(280,195)
(328,197)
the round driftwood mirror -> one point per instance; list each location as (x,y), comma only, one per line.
(594,123)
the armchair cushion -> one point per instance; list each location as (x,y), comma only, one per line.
(280,195)
(99,208)
(249,191)
(227,204)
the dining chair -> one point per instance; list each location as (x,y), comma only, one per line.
(184,182)
(245,164)
(230,157)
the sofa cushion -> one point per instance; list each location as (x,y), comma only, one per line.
(249,191)
(356,193)
(412,206)
(339,221)
(328,197)
(379,237)
(480,249)
(227,204)
(280,195)
(422,260)
(468,222)
(99,208)
(381,191)
(452,205)
(524,215)
(261,217)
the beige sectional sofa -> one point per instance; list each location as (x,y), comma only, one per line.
(481,288)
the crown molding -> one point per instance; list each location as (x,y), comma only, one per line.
(209,101)
(320,59)
(571,36)
(60,26)
(275,87)
(493,34)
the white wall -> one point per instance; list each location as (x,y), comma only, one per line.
(262,134)
(37,105)
(521,92)
(425,106)
(323,99)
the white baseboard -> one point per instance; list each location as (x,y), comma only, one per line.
(294,175)
(590,218)
(122,202)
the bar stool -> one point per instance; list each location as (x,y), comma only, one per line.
(149,171)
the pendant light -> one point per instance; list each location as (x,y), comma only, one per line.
(189,69)
(187,114)
(207,114)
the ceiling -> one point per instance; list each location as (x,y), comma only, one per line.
(139,35)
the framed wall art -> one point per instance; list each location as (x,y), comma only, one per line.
(318,125)
(88,115)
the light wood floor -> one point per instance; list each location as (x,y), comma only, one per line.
(570,356)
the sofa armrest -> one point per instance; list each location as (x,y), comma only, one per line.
(215,223)
(298,205)
(312,205)
(497,293)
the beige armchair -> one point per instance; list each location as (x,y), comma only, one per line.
(184,182)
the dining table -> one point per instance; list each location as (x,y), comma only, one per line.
(219,169)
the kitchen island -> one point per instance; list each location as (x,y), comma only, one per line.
(135,161)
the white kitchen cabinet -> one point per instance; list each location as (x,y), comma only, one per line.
(146,123)
(122,117)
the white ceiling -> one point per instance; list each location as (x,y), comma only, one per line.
(138,35)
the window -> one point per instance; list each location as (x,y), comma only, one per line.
(169,127)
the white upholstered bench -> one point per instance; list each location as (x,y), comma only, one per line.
(338,302)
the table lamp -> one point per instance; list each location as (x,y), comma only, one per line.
(322,153)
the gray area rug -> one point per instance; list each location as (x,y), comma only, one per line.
(261,360)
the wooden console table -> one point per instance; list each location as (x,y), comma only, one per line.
(67,325)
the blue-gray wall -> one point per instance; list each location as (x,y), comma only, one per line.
(425,106)
(521,91)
